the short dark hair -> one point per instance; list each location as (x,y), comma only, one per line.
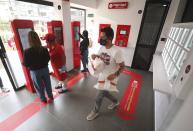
(109,32)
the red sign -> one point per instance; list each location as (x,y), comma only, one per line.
(118,5)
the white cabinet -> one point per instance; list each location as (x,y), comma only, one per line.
(173,74)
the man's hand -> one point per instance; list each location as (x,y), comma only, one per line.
(94,56)
(111,77)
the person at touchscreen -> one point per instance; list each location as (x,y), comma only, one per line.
(36,58)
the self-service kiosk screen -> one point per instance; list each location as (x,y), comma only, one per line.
(23,34)
(58,33)
(123,32)
(76,31)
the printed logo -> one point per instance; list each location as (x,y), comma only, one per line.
(105,58)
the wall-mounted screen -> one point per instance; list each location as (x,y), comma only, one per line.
(76,31)
(23,34)
(58,34)
(123,32)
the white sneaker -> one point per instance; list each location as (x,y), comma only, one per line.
(113,105)
(92,116)
(5,90)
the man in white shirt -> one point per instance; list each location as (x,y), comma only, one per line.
(114,64)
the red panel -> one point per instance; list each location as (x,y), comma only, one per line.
(16,24)
(100,27)
(75,25)
(128,103)
(59,35)
(122,35)
(118,5)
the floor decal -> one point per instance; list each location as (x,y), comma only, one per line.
(128,103)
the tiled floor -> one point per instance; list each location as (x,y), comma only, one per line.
(69,110)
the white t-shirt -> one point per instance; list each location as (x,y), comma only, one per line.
(112,58)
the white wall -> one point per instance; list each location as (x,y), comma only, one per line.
(168,23)
(183,119)
(166,28)
(86,3)
(114,17)
(64,15)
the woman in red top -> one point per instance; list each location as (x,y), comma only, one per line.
(58,60)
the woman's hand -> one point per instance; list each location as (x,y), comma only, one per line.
(94,56)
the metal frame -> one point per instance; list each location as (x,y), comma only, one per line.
(5,63)
(159,33)
(40,2)
(84,12)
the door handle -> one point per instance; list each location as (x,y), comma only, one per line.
(2,54)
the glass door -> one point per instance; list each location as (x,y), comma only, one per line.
(12,66)
(6,77)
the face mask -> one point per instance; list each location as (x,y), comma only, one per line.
(103,42)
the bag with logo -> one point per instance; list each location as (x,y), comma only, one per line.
(96,66)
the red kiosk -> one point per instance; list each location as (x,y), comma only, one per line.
(100,27)
(75,25)
(56,28)
(122,35)
(20,29)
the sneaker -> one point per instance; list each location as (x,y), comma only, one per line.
(92,116)
(5,90)
(50,100)
(44,101)
(83,70)
(58,87)
(113,106)
(63,91)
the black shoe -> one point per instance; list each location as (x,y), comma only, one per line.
(44,101)
(58,87)
(85,70)
(63,91)
(50,100)
(82,70)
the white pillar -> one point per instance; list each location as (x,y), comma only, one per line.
(66,15)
